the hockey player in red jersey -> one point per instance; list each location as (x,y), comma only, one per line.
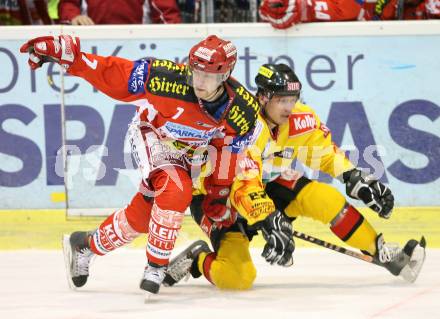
(406,9)
(181,110)
(282,14)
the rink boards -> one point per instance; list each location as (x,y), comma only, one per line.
(381,102)
(42,229)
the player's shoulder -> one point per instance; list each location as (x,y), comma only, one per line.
(302,120)
(167,66)
(243,96)
(261,131)
(303,108)
(257,136)
(243,109)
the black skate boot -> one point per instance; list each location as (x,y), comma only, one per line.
(406,262)
(152,278)
(185,264)
(77,258)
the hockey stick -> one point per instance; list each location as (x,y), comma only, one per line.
(339,249)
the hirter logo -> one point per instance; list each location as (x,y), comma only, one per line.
(301,123)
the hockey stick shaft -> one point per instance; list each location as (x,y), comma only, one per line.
(334,247)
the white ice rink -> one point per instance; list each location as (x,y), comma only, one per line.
(321,284)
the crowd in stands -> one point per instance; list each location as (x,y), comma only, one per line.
(281,14)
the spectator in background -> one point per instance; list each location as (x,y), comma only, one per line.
(283,14)
(410,9)
(24,12)
(118,11)
(52,10)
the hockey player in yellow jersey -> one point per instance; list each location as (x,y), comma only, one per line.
(289,130)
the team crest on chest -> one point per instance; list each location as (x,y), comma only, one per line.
(301,123)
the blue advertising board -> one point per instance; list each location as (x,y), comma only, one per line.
(381,102)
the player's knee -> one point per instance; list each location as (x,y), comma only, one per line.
(249,276)
(236,278)
(138,213)
(336,197)
(233,283)
(174,189)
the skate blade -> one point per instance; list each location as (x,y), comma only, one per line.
(67,252)
(187,250)
(411,271)
(149,297)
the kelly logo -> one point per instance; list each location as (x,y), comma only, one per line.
(301,123)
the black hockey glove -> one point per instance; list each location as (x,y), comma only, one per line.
(373,193)
(278,233)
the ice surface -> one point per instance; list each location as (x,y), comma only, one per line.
(321,284)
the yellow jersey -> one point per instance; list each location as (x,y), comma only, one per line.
(271,154)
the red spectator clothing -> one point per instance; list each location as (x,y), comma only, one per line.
(23,12)
(121,11)
(421,10)
(329,10)
(284,13)
(432,9)
(164,11)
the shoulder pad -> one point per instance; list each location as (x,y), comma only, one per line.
(243,110)
(168,66)
(168,79)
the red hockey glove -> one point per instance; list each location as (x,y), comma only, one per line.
(214,205)
(62,49)
(282,14)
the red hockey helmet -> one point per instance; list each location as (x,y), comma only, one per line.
(213,55)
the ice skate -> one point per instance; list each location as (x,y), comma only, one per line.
(406,262)
(152,279)
(77,258)
(180,266)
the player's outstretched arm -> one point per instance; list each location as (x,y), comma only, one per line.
(63,50)
(118,78)
(323,155)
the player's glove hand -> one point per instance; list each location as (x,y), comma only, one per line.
(373,193)
(214,205)
(278,232)
(282,14)
(62,49)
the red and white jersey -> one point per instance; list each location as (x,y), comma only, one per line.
(353,10)
(419,10)
(166,103)
(329,10)
(25,12)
